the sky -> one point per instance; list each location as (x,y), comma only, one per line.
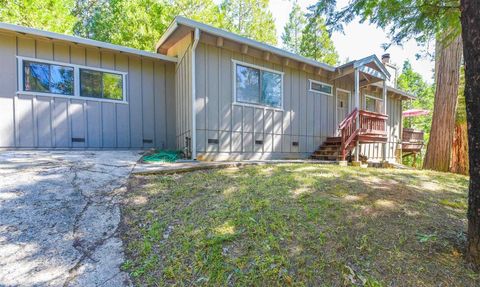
(360,40)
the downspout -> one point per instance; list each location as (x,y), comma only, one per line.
(196,38)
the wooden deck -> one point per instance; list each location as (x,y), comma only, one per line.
(412,141)
(371,129)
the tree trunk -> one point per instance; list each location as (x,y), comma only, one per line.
(471,47)
(447,74)
(459,163)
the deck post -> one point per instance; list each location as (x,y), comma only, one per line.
(357,105)
(384,92)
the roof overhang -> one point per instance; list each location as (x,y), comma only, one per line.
(404,95)
(182,22)
(82,41)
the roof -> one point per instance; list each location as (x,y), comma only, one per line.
(83,41)
(179,20)
(397,91)
(363,61)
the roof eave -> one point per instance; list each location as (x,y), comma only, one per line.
(83,41)
(173,26)
(179,20)
(402,93)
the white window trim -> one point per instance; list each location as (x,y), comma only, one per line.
(371,97)
(76,81)
(310,81)
(234,74)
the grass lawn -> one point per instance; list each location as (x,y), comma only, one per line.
(297,224)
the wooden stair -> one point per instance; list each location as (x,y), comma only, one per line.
(330,150)
(358,127)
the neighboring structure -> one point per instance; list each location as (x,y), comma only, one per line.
(212,93)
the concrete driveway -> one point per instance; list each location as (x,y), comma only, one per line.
(59,214)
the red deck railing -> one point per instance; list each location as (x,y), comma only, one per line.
(412,140)
(370,124)
(348,131)
(373,123)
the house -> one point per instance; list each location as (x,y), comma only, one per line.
(214,94)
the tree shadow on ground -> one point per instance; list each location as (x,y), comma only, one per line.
(305,224)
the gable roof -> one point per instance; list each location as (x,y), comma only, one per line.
(82,41)
(179,20)
(363,61)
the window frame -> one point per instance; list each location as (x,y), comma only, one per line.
(373,98)
(76,81)
(260,68)
(310,81)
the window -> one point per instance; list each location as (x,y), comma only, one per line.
(322,88)
(47,78)
(373,104)
(258,86)
(97,84)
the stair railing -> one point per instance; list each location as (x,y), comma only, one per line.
(348,131)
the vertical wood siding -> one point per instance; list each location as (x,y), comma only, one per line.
(307,118)
(183,98)
(50,122)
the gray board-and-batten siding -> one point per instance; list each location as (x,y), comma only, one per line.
(147,119)
(245,131)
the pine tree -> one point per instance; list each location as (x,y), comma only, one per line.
(316,42)
(423,21)
(249,18)
(292,32)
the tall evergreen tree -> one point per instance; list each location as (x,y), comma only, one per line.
(459,161)
(453,23)
(250,18)
(316,42)
(292,32)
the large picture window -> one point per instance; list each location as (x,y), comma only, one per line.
(258,86)
(48,78)
(98,84)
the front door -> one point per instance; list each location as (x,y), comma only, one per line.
(342,105)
